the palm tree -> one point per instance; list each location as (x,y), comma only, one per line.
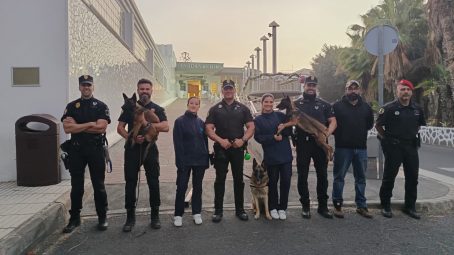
(405,15)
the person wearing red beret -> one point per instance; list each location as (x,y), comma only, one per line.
(397,125)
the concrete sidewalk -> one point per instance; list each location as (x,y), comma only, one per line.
(28,215)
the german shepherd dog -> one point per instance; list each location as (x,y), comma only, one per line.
(306,123)
(259,189)
(143,118)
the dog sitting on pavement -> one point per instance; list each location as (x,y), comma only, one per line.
(259,189)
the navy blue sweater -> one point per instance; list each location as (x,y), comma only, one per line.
(275,152)
(190,141)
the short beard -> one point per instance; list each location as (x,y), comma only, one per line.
(352,97)
(144,98)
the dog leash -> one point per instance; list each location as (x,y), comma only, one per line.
(247,176)
(138,173)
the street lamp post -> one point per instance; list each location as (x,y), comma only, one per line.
(252,70)
(274,25)
(264,39)
(258,59)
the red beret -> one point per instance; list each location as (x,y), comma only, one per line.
(407,83)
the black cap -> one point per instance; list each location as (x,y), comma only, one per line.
(311,80)
(86,79)
(228,83)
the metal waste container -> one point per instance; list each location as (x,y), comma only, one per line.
(37,150)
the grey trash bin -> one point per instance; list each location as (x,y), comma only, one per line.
(37,150)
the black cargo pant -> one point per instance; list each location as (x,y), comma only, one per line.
(81,155)
(134,159)
(234,156)
(307,148)
(398,153)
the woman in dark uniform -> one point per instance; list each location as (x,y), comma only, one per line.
(277,155)
(191,154)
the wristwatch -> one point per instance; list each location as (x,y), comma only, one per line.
(244,139)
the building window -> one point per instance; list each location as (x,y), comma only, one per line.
(140,47)
(110,11)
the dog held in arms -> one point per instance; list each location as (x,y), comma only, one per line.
(143,119)
(306,123)
(259,189)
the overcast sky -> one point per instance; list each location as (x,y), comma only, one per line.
(229,31)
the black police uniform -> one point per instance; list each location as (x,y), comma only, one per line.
(133,160)
(307,148)
(87,148)
(400,146)
(229,121)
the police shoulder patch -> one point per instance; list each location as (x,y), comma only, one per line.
(381,111)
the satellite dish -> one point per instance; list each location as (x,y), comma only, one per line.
(384,36)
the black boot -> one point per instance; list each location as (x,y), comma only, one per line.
(74,222)
(102,223)
(155,223)
(323,209)
(130,220)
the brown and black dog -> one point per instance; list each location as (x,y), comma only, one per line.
(259,189)
(143,119)
(306,123)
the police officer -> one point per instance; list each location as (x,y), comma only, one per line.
(397,125)
(307,148)
(225,126)
(86,119)
(134,158)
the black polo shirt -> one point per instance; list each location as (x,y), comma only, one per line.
(229,120)
(401,122)
(86,110)
(317,108)
(128,117)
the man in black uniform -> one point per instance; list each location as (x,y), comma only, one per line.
(397,125)
(86,119)
(307,148)
(225,126)
(134,158)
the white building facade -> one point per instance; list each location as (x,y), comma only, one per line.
(47,44)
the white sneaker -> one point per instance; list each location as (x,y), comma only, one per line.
(274,214)
(197,219)
(282,215)
(178,221)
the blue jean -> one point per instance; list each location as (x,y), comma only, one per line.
(343,158)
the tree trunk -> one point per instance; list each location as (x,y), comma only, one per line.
(441,23)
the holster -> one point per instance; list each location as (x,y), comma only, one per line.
(65,147)
(211,157)
(418,141)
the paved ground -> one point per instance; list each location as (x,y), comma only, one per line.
(352,235)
